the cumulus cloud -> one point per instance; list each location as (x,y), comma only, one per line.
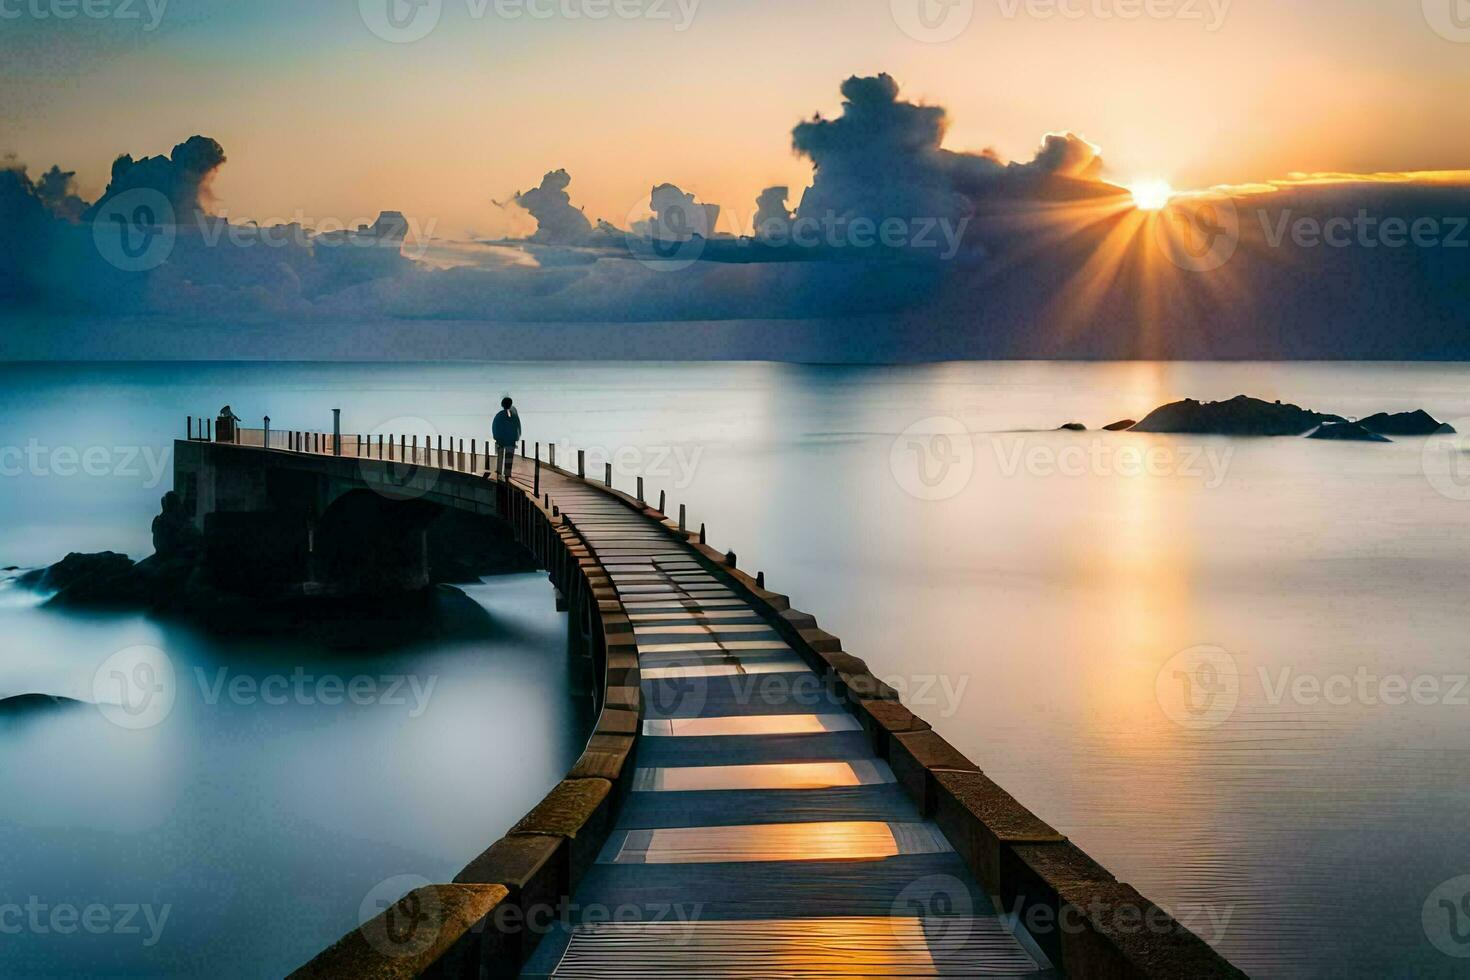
(182,177)
(677,216)
(557,221)
(884,158)
(1067,155)
(772,216)
(57,191)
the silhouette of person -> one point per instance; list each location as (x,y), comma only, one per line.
(506,431)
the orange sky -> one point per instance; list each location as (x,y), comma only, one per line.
(322,119)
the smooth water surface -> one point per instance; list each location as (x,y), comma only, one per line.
(1041,597)
(287,790)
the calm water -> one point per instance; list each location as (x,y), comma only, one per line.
(1042,597)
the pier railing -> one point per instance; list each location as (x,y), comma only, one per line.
(1085,913)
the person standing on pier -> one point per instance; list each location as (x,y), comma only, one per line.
(506,431)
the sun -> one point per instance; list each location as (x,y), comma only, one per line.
(1151,195)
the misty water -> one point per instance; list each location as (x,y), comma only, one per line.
(1035,593)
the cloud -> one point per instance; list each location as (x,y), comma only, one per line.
(677,216)
(1066,155)
(772,216)
(1051,260)
(884,158)
(182,177)
(557,222)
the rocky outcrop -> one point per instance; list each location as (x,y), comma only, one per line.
(174,534)
(1073,427)
(1419,423)
(1122,426)
(1347,432)
(1240,416)
(78,571)
(27,703)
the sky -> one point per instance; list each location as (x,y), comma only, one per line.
(323,119)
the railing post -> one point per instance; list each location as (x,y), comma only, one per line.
(640,489)
(266,440)
(662,499)
(760,580)
(537,486)
(730,558)
(523,449)
(681,517)
(336,432)
(190,424)
(702,538)
(607,475)
(582,463)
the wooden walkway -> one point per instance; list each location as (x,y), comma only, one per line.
(762,836)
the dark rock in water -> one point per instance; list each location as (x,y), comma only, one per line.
(1419,423)
(10,568)
(1347,432)
(1240,416)
(78,569)
(1073,427)
(174,533)
(34,702)
(1122,426)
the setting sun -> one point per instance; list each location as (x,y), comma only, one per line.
(1151,195)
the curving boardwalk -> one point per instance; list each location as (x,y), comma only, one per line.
(762,836)
(755,805)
